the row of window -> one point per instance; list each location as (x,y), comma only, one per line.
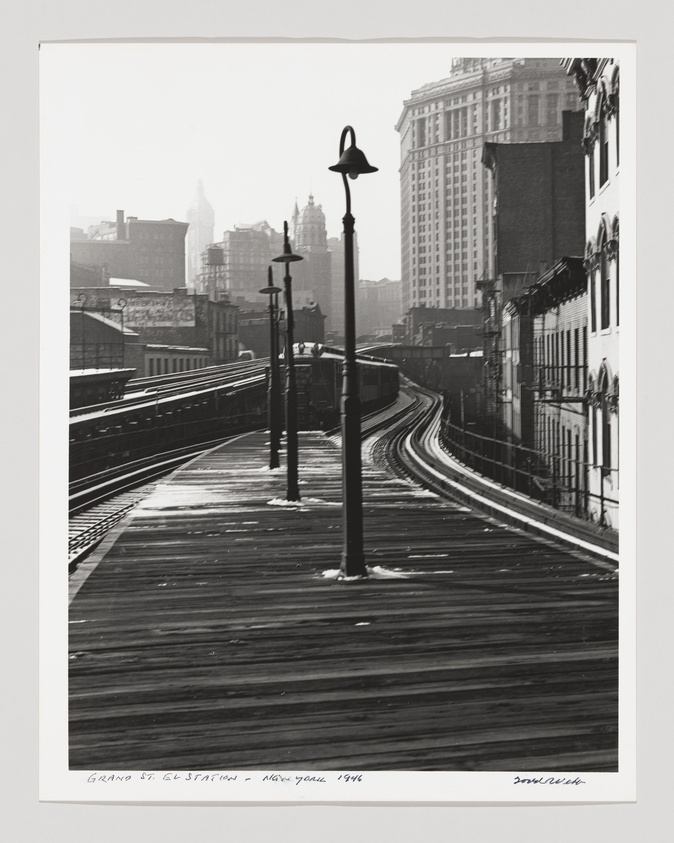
(532,110)
(560,358)
(166,365)
(566,444)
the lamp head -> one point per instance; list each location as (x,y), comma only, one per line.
(353,163)
(270,290)
(287,256)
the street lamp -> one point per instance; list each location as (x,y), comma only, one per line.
(82,300)
(274,394)
(293,488)
(122,304)
(353,163)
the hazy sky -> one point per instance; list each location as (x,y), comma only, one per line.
(134,126)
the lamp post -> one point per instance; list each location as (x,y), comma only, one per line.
(353,163)
(122,304)
(293,488)
(82,300)
(274,414)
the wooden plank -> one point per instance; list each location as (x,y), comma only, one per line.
(208,636)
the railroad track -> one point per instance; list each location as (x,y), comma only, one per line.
(413,449)
(97,503)
(87,529)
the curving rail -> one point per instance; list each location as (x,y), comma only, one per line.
(414,449)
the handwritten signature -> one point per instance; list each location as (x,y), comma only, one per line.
(548,780)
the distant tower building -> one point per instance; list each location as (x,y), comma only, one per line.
(446,196)
(201,219)
(294,222)
(311,241)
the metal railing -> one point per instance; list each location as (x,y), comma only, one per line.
(559,481)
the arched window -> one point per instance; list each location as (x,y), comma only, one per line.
(604,279)
(615,103)
(604,404)
(603,139)
(614,254)
(592,400)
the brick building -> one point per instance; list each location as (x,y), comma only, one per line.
(420,321)
(538,217)
(152,251)
(174,320)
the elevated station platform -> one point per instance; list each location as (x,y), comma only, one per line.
(209,631)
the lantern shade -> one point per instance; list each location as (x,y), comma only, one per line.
(353,163)
(270,290)
(287,256)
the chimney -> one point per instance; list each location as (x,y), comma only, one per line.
(121,233)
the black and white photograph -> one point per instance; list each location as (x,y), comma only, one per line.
(332,431)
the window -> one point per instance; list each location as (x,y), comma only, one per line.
(605,284)
(552,117)
(617,126)
(605,435)
(496,115)
(532,105)
(617,287)
(421,132)
(603,145)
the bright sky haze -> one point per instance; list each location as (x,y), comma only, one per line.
(134,126)
(259,123)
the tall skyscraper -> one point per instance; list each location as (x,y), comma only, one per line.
(446,193)
(201,219)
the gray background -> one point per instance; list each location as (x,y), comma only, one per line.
(22,817)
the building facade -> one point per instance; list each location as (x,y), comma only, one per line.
(537,217)
(378,306)
(598,82)
(446,196)
(152,251)
(422,322)
(171,320)
(200,234)
(544,380)
(313,274)
(236,266)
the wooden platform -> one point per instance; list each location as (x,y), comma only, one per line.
(209,637)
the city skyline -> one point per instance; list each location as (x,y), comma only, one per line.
(259,123)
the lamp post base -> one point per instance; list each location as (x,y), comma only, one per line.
(353,565)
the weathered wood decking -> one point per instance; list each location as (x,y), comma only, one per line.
(208,636)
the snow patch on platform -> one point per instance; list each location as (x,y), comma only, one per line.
(377,572)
